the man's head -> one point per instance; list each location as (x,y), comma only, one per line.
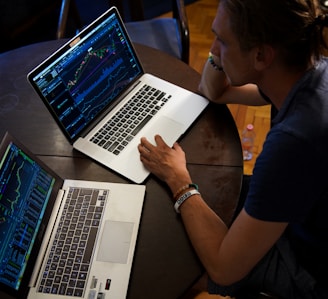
(291,27)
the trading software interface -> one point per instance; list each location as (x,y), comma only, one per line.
(85,79)
(24,192)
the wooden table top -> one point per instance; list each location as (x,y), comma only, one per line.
(165,264)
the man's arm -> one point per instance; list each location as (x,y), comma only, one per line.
(214,86)
(227,254)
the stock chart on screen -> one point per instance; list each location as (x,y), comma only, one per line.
(83,81)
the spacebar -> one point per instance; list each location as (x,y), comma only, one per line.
(90,245)
(141,125)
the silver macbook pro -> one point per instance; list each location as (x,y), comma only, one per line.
(63,238)
(97,91)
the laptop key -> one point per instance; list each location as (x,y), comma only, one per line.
(141,125)
(113,146)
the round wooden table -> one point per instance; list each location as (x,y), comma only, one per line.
(165,264)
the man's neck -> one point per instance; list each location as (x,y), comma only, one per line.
(276,83)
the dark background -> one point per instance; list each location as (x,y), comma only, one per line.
(23,22)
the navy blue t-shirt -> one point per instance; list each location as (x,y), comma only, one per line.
(290,177)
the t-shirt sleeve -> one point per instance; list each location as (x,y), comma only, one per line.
(283,180)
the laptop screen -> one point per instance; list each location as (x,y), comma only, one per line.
(79,82)
(25,191)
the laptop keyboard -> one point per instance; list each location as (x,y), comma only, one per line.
(116,134)
(69,260)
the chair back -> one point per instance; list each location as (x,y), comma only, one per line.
(170,35)
(133,11)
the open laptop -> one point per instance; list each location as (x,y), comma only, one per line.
(63,238)
(95,86)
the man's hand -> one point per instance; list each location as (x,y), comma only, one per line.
(168,164)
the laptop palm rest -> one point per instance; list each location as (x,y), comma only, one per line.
(115,242)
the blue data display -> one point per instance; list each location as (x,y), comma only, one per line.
(24,193)
(88,77)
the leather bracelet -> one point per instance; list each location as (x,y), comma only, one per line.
(212,63)
(183,188)
(183,198)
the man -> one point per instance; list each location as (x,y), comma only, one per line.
(264,51)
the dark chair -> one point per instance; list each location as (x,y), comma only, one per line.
(67,6)
(170,35)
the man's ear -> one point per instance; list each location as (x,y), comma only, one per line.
(263,57)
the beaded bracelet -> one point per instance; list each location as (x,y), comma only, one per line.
(183,188)
(212,62)
(183,198)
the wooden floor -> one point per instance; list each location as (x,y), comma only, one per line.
(200,16)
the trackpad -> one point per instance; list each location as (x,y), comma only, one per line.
(115,242)
(168,128)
